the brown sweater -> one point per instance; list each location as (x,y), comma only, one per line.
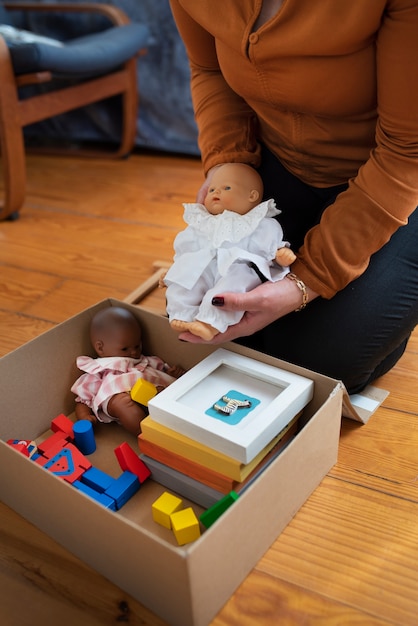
(331,87)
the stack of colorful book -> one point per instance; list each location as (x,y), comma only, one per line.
(197,471)
(195,439)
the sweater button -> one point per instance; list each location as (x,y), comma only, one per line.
(253,38)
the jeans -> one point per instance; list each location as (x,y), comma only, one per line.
(360,333)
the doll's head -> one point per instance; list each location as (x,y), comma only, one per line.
(234,187)
(115,331)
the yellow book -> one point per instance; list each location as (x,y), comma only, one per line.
(208,457)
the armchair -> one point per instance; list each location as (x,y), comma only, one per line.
(72,74)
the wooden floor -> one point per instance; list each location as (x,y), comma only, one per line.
(93,229)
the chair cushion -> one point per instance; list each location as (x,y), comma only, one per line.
(93,54)
(16,36)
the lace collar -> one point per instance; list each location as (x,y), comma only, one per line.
(227,226)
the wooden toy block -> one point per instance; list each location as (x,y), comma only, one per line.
(185,526)
(97,479)
(49,451)
(67,462)
(62,465)
(84,436)
(130,461)
(102,498)
(63,424)
(52,444)
(211,515)
(79,459)
(123,488)
(143,391)
(25,446)
(164,507)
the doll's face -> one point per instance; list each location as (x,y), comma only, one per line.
(233,187)
(120,340)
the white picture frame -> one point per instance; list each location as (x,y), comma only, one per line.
(182,406)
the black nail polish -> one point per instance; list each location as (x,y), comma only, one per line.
(218,301)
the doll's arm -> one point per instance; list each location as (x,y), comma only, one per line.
(285,256)
(83,412)
(175,371)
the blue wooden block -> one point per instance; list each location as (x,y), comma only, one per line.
(106,501)
(84,436)
(97,480)
(123,488)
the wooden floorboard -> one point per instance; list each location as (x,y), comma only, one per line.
(92,229)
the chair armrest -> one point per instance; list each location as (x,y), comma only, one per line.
(115,15)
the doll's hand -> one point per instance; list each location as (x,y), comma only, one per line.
(285,256)
(91,418)
(263,305)
(83,412)
(175,371)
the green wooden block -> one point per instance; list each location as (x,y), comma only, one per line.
(211,515)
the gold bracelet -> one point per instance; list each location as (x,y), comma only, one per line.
(302,287)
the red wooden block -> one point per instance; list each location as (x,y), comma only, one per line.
(130,461)
(52,444)
(63,424)
(68,463)
(79,459)
(25,446)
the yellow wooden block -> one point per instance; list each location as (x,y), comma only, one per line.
(143,391)
(185,526)
(164,507)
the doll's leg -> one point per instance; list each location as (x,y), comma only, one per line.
(183,304)
(240,278)
(127,412)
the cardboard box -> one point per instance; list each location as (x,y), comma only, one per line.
(144,559)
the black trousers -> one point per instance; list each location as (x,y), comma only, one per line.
(361,332)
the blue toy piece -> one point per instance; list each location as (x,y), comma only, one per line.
(97,480)
(67,461)
(84,436)
(102,498)
(123,488)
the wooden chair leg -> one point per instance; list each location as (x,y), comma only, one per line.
(129,109)
(11,140)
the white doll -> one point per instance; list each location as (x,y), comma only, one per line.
(229,244)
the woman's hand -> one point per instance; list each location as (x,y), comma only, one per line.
(203,191)
(263,305)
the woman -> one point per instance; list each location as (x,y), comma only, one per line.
(321,99)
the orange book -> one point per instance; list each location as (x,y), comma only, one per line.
(207,476)
(203,474)
(183,446)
